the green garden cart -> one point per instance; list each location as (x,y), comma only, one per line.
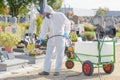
(92,54)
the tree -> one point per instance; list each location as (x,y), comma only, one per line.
(55,4)
(15,6)
(2,7)
(102,11)
(23,11)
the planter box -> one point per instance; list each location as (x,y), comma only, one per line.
(32,59)
(19,50)
(7,55)
(12,64)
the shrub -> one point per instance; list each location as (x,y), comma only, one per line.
(30,47)
(118,34)
(24,25)
(94,29)
(8,39)
(34,51)
(73,36)
(3,25)
(117,29)
(88,27)
(89,35)
(38,23)
(22,28)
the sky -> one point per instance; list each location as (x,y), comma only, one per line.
(93,4)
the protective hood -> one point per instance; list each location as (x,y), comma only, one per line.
(48,9)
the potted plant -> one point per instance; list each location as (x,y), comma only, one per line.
(33,51)
(73,37)
(30,48)
(8,40)
(89,36)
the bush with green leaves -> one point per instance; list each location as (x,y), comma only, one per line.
(88,27)
(30,47)
(39,20)
(24,25)
(73,36)
(9,39)
(22,28)
(94,29)
(3,25)
(117,29)
(118,34)
(89,35)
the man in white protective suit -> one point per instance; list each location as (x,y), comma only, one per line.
(58,26)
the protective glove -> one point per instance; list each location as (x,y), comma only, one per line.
(66,35)
(39,41)
(48,15)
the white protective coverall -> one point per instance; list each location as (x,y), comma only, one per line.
(58,24)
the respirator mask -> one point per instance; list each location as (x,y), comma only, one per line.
(48,15)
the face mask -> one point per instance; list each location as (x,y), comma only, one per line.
(48,15)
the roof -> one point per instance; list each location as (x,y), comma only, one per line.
(84,12)
(113,13)
(79,12)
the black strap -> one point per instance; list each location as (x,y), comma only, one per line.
(55,36)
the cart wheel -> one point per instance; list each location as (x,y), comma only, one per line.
(69,64)
(108,68)
(87,68)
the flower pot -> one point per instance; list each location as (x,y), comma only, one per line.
(1,28)
(8,49)
(90,38)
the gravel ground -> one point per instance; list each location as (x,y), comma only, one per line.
(67,74)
